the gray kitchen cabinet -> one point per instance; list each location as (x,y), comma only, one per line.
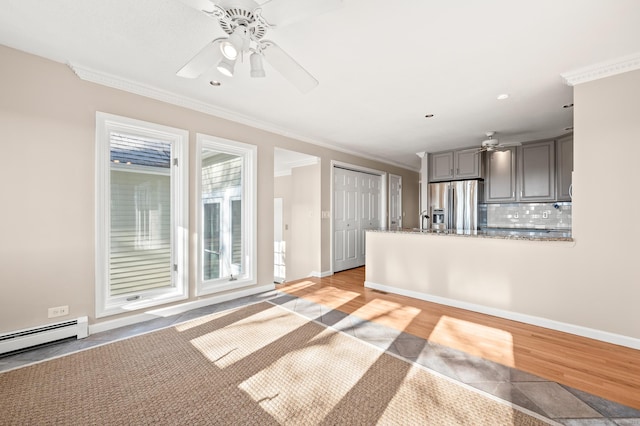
(537,171)
(454,165)
(441,166)
(500,179)
(466,164)
(564,162)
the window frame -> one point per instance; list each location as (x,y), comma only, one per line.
(106,304)
(248,153)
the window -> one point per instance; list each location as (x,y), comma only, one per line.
(226,214)
(141,214)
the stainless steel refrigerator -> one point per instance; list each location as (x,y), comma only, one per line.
(456,206)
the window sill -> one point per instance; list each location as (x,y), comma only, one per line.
(142,303)
(226,285)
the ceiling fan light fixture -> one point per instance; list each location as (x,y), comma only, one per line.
(226,66)
(228,50)
(257,70)
(232,46)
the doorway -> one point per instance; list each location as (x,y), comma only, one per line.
(297,221)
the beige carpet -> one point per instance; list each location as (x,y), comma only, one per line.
(256,365)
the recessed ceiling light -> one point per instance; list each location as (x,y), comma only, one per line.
(429,116)
(215,83)
(567,106)
(502,96)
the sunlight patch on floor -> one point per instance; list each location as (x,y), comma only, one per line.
(330,296)
(197,322)
(232,343)
(477,339)
(301,386)
(298,286)
(388,313)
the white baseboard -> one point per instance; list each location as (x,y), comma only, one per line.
(604,336)
(176,309)
(324,274)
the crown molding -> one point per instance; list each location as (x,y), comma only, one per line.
(131,86)
(602,70)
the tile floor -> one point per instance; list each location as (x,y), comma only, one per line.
(565,405)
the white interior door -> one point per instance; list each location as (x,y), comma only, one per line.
(357,207)
(370,207)
(395,202)
(345,219)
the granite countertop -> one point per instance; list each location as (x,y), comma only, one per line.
(499,233)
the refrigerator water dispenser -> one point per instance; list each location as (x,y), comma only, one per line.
(437,219)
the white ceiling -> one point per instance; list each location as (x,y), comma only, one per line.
(381,65)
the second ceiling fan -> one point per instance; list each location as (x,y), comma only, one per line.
(491,144)
(246,23)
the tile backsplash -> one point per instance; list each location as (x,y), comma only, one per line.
(529,215)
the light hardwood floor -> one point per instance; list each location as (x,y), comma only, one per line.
(606,370)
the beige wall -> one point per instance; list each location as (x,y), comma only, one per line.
(593,282)
(300,192)
(303,250)
(47,119)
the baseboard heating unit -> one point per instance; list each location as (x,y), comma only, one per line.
(22,339)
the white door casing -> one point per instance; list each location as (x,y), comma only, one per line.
(279,266)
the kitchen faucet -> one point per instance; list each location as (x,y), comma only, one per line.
(422,217)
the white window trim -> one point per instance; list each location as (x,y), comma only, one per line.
(249,154)
(109,305)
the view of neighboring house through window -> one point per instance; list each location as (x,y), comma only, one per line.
(141,214)
(226,216)
(140,246)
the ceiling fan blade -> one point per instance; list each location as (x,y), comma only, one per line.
(200,5)
(288,67)
(279,13)
(209,56)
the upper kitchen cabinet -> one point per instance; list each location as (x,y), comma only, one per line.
(500,179)
(537,171)
(441,166)
(467,164)
(564,161)
(455,165)
(533,172)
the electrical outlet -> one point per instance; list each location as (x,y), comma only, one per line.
(59,311)
(545,215)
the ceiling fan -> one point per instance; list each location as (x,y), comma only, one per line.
(246,23)
(491,144)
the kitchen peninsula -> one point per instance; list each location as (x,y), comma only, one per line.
(509,275)
(498,237)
